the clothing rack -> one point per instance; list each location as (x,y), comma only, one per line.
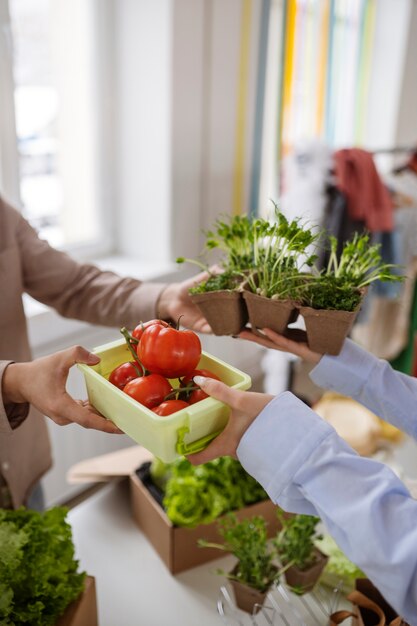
(395,150)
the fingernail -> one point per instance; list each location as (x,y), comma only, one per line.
(200,380)
(93,358)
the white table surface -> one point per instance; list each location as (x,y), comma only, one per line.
(134,588)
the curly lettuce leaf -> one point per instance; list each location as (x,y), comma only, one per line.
(200,494)
(340,571)
(38,571)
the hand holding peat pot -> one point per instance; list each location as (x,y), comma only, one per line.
(294,342)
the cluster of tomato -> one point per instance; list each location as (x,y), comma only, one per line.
(161,353)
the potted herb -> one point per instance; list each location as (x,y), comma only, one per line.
(302,561)
(220,296)
(331,299)
(220,300)
(261,258)
(255,571)
(39,581)
(280,252)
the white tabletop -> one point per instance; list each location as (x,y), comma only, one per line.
(134,588)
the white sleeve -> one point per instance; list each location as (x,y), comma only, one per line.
(373,382)
(307,468)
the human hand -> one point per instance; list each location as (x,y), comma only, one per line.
(245,405)
(42,383)
(175,302)
(275,341)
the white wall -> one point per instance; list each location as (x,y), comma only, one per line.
(143,121)
(9,180)
(388,64)
(406,123)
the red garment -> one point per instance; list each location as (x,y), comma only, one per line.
(368,200)
(412,163)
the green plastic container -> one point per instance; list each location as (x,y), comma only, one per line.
(186,431)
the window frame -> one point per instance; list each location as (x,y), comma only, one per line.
(101,18)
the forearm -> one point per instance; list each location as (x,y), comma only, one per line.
(82,291)
(306,468)
(104,298)
(372,382)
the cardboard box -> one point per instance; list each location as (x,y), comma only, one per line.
(82,612)
(178,547)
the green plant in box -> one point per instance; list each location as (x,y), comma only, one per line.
(295,545)
(217,282)
(200,494)
(255,571)
(234,236)
(295,541)
(340,286)
(280,251)
(38,572)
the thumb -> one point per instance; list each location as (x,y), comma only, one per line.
(194,280)
(78,354)
(220,391)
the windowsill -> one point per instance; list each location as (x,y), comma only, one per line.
(47,328)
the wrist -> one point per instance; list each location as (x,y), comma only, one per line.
(164,303)
(11,385)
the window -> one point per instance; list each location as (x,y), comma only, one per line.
(56,95)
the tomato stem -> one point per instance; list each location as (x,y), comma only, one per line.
(181,390)
(178,322)
(128,338)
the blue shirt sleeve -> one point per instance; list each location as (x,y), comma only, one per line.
(307,468)
(373,382)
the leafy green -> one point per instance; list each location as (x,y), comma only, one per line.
(247,540)
(295,540)
(216,282)
(38,572)
(341,284)
(233,235)
(331,293)
(200,494)
(280,252)
(338,564)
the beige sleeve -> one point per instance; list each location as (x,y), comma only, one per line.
(82,291)
(11,415)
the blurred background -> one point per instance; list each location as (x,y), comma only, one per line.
(127,127)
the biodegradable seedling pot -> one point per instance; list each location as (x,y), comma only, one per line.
(248,598)
(224,310)
(327,329)
(267,313)
(305,580)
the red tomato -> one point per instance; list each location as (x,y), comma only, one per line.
(124,373)
(148,390)
(197,394)
(138,331)
(188,380)
(170,406)
(168,351)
